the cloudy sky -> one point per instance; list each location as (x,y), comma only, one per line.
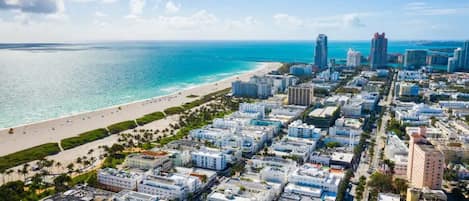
(108,20)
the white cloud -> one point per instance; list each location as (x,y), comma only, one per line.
(285,19)
(244,23)
(136,8)
(172,7)
(33,6)
(196,20)
(100,14)
(102,1)
(422,8)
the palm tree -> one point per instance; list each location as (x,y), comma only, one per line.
(24,171)
(3,171)
(58,164)
(8,172)
(70,167)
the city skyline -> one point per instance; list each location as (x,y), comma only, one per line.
(98,20)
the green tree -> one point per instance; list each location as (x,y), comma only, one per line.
(61,183)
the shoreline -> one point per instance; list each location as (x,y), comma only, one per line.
(55,129)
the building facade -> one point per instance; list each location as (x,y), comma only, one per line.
(379,51)
(320,53)
(426,164)
(354,58)
(115,180)
(415,58)
(300,95)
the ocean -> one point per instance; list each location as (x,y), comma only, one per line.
(44,81)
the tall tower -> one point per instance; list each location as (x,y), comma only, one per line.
(379,51)
(464,60)
(320,53)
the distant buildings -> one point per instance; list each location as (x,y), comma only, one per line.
(460,59)
(379,51)
(415,59)
(426,163)
(301,70)
(300,95)
(320,53)
(437,59)
(266,86)
(407,89)
(244,89)
(353,58)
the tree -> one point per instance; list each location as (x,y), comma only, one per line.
(70,167)
(381,182)
(12,191)
(61,182)
(332,144)
(400,186)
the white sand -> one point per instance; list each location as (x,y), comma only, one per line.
(54,130)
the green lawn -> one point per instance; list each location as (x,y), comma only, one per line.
(121,126)
(173,110)
(27,155)
(150,117)
(83,138)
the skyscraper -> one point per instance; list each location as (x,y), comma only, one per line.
(353,58)
(379,51)
(460,59)
(465,56)
(415,58)
(320,53)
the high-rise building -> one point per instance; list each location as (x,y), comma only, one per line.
(465,56)
(320,53)
(379,51)
(425,163)
(300,95)
(437,59)
(460,59)
(353,58)
(415,58)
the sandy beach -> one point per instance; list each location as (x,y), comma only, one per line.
(54,130)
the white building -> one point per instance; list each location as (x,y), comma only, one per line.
(272,169)
(313,176)
(149,160)
(419,114)
(241,190)
(169,187)
(253,108)
(353,58)
(127,195)
(116,180)
(294,147)
(303,130)
(209,159)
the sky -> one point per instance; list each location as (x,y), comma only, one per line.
(114,20)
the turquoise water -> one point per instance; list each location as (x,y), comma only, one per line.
(43,81)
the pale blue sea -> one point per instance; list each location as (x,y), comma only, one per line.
(44,81)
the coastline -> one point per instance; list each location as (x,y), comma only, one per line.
(53,130)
